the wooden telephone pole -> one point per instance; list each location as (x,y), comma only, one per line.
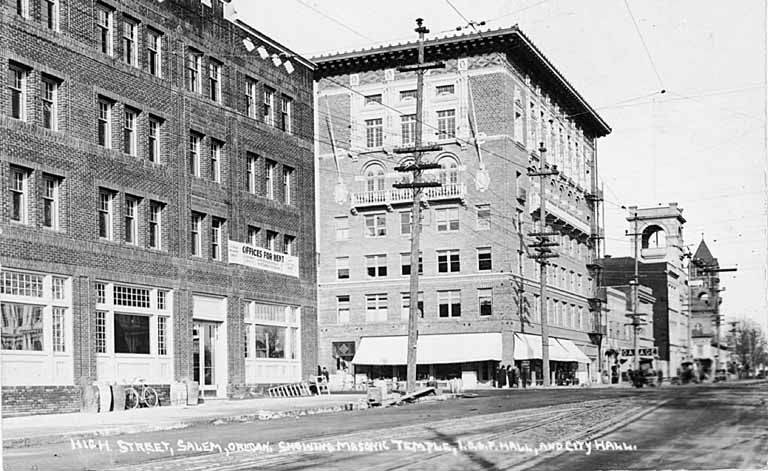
(417,184)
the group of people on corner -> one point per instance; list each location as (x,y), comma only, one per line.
(508,376)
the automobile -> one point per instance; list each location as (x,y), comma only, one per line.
(720,375)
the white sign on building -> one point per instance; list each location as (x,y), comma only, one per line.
(263,259)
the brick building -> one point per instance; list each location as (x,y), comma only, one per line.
(705,309)
(489,108)
(157,217)
(660,254)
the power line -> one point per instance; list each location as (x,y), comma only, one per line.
(645,46)
(338,22)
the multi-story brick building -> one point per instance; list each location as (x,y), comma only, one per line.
(705,302)
(157,175)
(496,99)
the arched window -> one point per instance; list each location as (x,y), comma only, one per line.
(654,238)
(449,172)
(374,177)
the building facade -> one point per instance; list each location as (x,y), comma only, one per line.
(705,302)
(660,248)
(158,201)
(491,106)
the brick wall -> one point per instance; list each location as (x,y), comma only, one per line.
(33,400)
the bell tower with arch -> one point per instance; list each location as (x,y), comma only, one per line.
(659,233)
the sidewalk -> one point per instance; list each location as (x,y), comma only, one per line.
(18,432)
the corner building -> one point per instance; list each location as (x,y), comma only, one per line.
(494,101)
(157,216)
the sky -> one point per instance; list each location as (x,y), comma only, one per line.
(700,143)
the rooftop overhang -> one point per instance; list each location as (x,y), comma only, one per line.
(511,41)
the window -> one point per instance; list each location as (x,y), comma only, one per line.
(131,225)
(130,28)
(449,303)
(376,265)
(22,8)
(405,310)
(106,200)
(271,341)
(342,268)
(104,25)
(374,133)
(483,217)
(216,160)
(156,225)
(484,260)
(195,141)
(250,97)
(286,114)
(59,344)
(246,341)
(153,139)
(342,309)
(155,53)
(251,162)
(447,219)
(131,296)
(269,179)
(448,261)
(289,245)
(406,218)
(376,225)
(269,106)
(408,95)
(129,131)
(253,236)
(101,332)
(580,284)
(446,124)
(17,83)
(105,123)
(51,199)
(405,264)
(21,284)
(449,174)
(342,227)
(443,90)
(217,226)
(162,335)
(373,99)
(214,81)
(194,70)
(374,178)
(485,301)
(408,129)
(22,327)
(50,102)
(271,241)
(19,194)
(196,247)
(287,184)
(131,334)
(376,308)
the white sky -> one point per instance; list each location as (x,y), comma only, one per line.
(701,144)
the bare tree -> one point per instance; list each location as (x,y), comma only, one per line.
(749,345)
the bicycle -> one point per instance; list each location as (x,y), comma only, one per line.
(148,396)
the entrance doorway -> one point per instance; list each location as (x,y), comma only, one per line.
(205,338)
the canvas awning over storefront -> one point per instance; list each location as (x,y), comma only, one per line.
(430,349)
(528,347)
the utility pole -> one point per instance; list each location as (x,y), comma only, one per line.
(542,247)
(417,185)
(635,294)
(715,297)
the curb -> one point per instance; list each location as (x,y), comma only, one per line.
(142,428)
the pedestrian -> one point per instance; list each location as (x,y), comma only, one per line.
(660,375)
(515,377)
(502,376)
(326,374)
(509,376)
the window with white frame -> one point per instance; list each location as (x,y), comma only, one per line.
(51,199)
(485,301)
(17,87)
(153,139)
(104,123)
(405,264)
(270,242)
(253,236)
(287,184)
(448,261)
(484,259)
(268,112)
(286,114)
(274,331)
(342,227)
(376,307)
(251,171)
(217,238)
(131,222)
(405,306)
(195,143)
(374,133)
(155,52)
(104,28)
(376,265)
(19,197)
(373,99)
(483,217)
(406,218)
(194,70)
(270,168)
(408,129)
(342,268)
(289,245)
(216,147)
(445,90)
(50,102)
(406,95)
(156,225)
(106,213)
(446,124)
(449,303)
(22,8)
(214,80)
(250,97)
(376,225)
(196,232)
(447,219)
(342,309)
(130,33)
(129,131)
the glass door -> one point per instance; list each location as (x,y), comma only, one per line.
(204,339)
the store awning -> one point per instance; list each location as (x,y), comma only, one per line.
(431,349)
(528,347)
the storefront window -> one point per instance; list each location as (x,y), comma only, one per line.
(270,341)
(22,327)
(131,334)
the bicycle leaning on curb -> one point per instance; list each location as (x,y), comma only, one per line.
(144,395)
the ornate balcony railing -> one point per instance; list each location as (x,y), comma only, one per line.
(388,198)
